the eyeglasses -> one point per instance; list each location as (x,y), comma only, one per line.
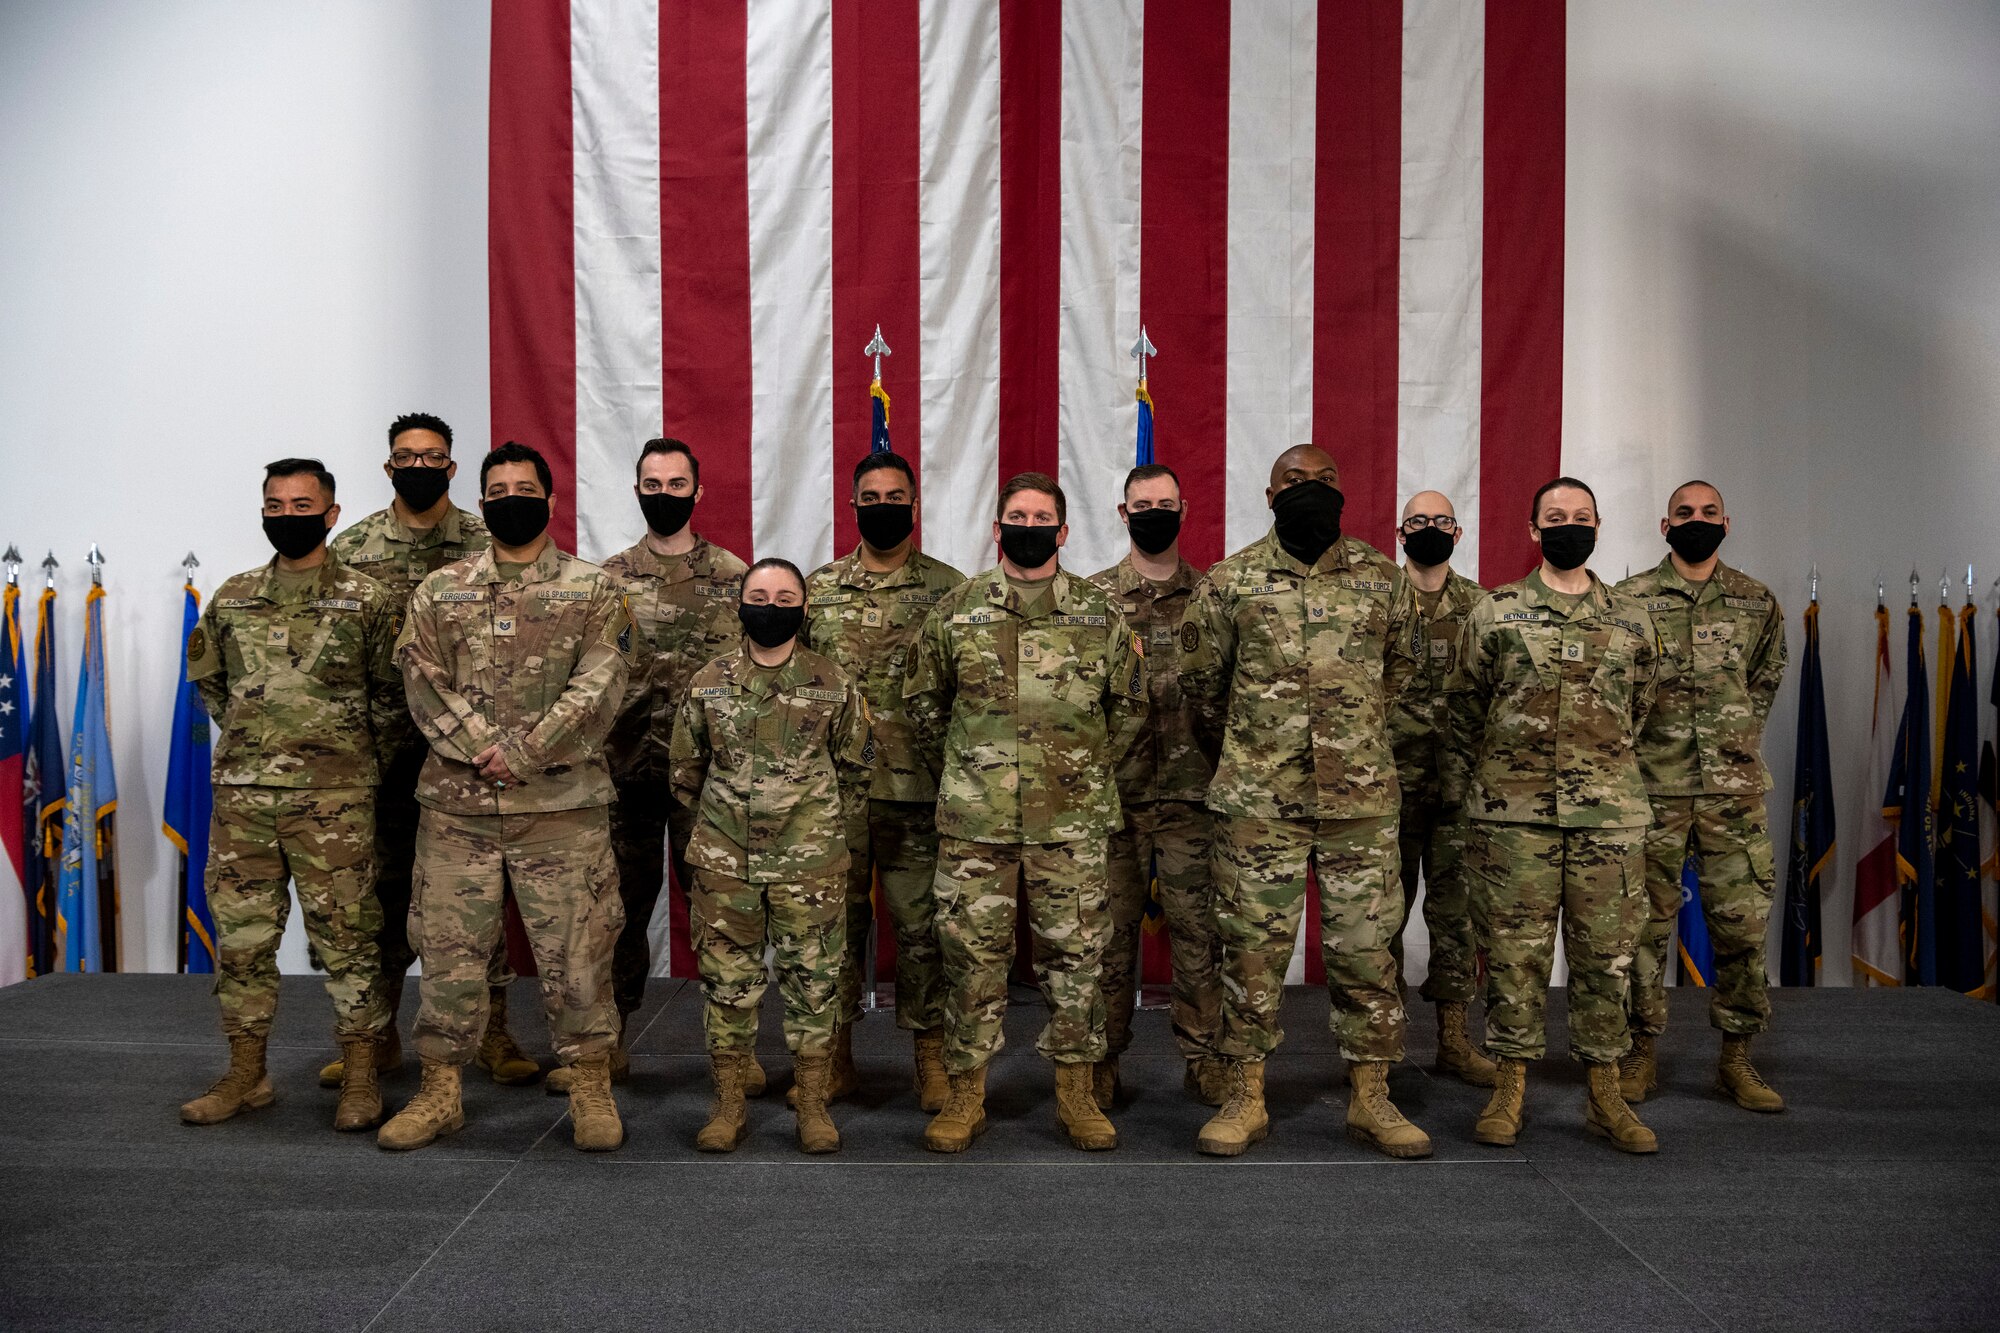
(429,458)
(1418,522)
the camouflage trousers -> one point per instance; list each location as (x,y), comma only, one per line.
(560,870)
(1068,918)
(1260,870)
(322,841)
(1730,838)
(897,840)
(1173,841)
(395,855)
(1433,843)
(641,818)
(731,923)
(1526,877)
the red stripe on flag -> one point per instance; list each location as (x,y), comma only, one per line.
(1030,232)
(530,243)
(1184,250)
(1357,218)
(705,261)
(1521,297)
(876,274)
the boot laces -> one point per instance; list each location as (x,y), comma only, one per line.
(592,1097)
(1236,1103)
(498,1046)
(432,1097)
(1379,1105)
(1745,1072)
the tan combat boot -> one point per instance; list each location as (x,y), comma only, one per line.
(1456,1054)
(1104,1084)
(963,1118)
(1638,1069)
(435,1111)
(1373,1120)
(729,1122)
(388,1043)
(1606,1115)
(1500,1123)
(933,1084)
(754,1078)
(1736,1077)
(360,1105)
(1242,1120)
(593,1112)
(1207,1080)
(244,1087)
(816,1131)
(557,1084)
(1076,1107)
(498,1053)
(843,1080)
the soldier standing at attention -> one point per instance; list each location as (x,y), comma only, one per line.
(1555,676)
(681,592)
(1702,754)
(864,612)
(1291,638)
(514,661)
(772,752)
(294,663)
(399,547)
(1162,782)
(1432,603)
(1027,689)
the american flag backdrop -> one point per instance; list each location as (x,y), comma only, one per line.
(1338,220)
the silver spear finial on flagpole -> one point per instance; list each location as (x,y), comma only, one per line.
(13,561)
(1968,583)
(877,349)
(1141,350)
(96,562)
(1916,582)
(49,567)
(1815,582)
(1944,586)
(189,565)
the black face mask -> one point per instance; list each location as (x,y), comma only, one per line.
(770,625)
(1568,545)
(1153,530)
(666,514)
(1307,517)
(420,487)
(516,520)
(1429,546)
(886,526)
(1695,541)
(295,536)
(1028,546)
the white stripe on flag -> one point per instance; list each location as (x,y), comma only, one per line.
(1272,70)
(1102,87)
(1438,342)
(614,57)
(788,92)
(958,229)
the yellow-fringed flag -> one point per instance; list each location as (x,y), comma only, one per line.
(87,892)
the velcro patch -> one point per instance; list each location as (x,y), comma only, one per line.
(369,557)
(1260,589)
(1365,585)
(239,601)
(715,691)
(1190,636)
(563,594)
(1083,620)
(1536,616)
(1747,603)
(1627,626)
(1440,648)
(1662,603)
(717,589)
(834,598)
(824,696)
(334,604)
(471,596)
(925,598)
(976,617)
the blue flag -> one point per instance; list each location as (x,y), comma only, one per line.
(1812,822)
(1697,953)
(42,796)
(13,741)
(1961,928)
(878,407)
(87,895)
(1908,802)
(188,803)
(1143,453)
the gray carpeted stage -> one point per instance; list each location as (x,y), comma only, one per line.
(1874,1203)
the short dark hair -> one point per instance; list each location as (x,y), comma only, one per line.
(511,452)
(1148,471)
(893,461)
(419,421)
(1697,481)
(1032,481)
(657,445)
(777,562)
(1535,505)
(300,467)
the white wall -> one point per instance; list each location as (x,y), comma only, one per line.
(231,232)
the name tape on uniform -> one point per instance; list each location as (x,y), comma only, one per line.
(334,604)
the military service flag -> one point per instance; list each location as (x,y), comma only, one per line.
(1961,934)
(42,796)
(189,802)
(87,891)
(13,818)
(1812,822)
(1696,949)
(1907,801)
(1875,953)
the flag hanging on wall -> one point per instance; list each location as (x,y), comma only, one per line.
(1691,927)
(87,892)
(13,815)
(188,804)
(1876,951)
(1961,933)
(1812,821)
(878,411)
(1908,802)
(43,795)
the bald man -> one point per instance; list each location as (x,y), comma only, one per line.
(1283,651)
(1431,605)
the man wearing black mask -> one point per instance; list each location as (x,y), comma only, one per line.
(1432,602)
(421,531)
(682,591)
(1702,754)
(1284,650)
(865,611)
(1161,784)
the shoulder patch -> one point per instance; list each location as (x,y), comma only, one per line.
(1083,620)
(1747,603)
(334,604)
(1190,636)
(823,696)
(715,691)
(197,643)
(460,595)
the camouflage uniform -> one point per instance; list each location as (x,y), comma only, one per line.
(1168,833)
(400,557)
(1022,709)
(867,623)
(1431,835)
(771,761)
(1547,697)
(301,683)
(683,612)
(1288,662)
(535,662)
(1702,756)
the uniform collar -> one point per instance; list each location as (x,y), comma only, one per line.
(1722,581)
(1459,591)
(744,671)
(1000,592)
(848,572)
(1129,580)
(1335,559)
(450,530)
(328,572)
(486,567)
(1596,602)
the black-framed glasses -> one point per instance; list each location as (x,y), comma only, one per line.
(1418,522)
(427,458)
